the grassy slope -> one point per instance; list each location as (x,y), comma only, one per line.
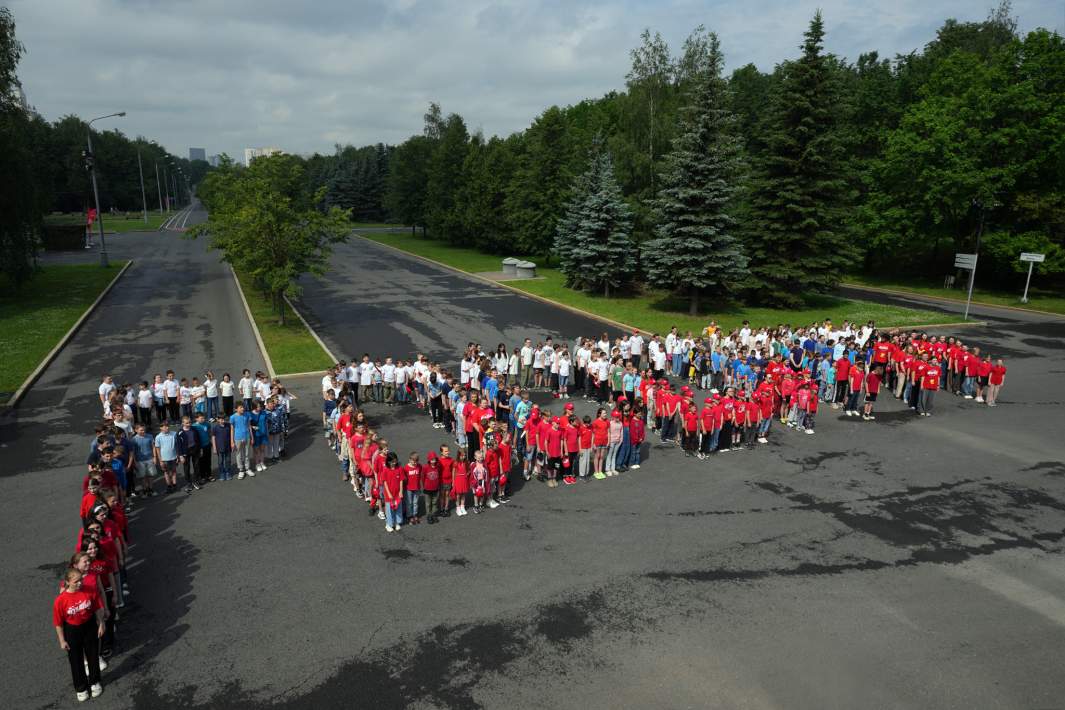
(34,319)
(659,311)
(115,224)
(1040,300)
(291,346)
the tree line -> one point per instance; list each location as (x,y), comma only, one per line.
(42,167)
(770,185)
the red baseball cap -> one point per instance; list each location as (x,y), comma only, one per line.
(616,414)
(708,400)
(569,406)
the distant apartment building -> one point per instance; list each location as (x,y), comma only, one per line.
(214,160)
(197,154)
(251,154)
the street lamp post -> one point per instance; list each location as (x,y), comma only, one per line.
(144,199)
(95,191)
(166,187)
(158,187)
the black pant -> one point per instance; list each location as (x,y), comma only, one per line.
(473,444)
(227,406)
(449,421)
(436,409)
(107,643)
(84,648)
(191,465)
(160,412)
(636,362)
(204,469)
(843,390)
(173,409)
(144,416)
(724,441)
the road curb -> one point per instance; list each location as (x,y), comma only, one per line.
(311,330)
(254,327)
(944,299)
(500,284)
(33,376)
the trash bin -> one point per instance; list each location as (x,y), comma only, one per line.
(510,266)
(525,269)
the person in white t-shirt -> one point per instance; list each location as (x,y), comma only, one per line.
(227,388)
(464,370)
(366,370)
(198,394)
(210,391)
(388,379)
(144,405)
(246,387)
(105,389)
(328,383)
(172,388)
(635,349)
(538,366)
(185,398)
(403,374)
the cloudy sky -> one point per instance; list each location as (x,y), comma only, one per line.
(305,75)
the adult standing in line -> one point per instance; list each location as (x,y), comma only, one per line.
(526,363)
(107,386)
(247,389)
(635,348)
(72,614)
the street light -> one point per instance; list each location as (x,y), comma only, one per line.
(95,192)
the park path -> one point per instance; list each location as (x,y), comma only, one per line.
(176,308)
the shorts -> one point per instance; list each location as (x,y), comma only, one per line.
(600,447)
(261,440)
(985,380)
(146,469)
(169,466)
(871,396)
(530,453)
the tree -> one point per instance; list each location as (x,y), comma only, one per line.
(800,194)
(268,225)
(594,236)
(21,204)
(696,248)
(651,76)
(541,183)
(406,184)
(445,178)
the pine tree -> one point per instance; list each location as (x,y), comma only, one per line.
(696,248)
(445,182)
(594,236)
(796,241)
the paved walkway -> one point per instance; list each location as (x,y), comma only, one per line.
(176,307)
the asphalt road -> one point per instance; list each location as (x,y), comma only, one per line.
(901,563)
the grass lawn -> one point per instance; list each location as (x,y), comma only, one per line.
(658,311)
(1038,299)
(34,319)
(120,223)
(291,346)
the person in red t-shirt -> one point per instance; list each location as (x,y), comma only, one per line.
(928,384)
(460,481)
(431,486)
(690,433)
(983,377)
(855,383)
(391,480)
(600,437)
(412,479)
(843,387)
(72,616)
(996,378)
(572,443)
(447,479)
(637,433)
(872,389)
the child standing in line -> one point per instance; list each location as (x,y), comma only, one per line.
(995,380)
(584,442)
(872,389)
(222,450)
(166,456)
(413,487)
(600,438)
(431,486)
(461,481)
(811,411)
(478,480)
(691,430)
(637,433)
(447,480)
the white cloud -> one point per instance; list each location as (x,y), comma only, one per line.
(306,75)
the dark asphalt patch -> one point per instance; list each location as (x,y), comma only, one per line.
(397,554)
(1052,468)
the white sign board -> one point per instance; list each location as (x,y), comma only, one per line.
(965,261)
(1034,258)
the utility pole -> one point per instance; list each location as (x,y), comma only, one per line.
(158,187)
(95,192)
(144,199)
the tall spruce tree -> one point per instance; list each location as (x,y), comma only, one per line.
(594,235)
(696,248)
(795,239)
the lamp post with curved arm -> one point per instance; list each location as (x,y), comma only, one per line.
(95,192)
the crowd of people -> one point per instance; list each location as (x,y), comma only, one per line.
(211,429)
(746,380)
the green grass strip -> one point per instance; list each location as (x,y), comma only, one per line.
(35,318)
(291,346)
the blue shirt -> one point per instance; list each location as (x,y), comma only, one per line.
(220,434)
(142,447)
(629,381)
(166,442)
(715,361)
(491,389)
(203,434)
(240,425)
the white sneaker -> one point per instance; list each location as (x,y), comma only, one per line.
(262,467)
(493,504)
(251,473)
(635,465)
(103,664)
(240,475)
(809,431)
(82,696)
(968,396)
(979,399)
(762,440)
(96,690)
(389,528)
(380,515)
(398,527)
